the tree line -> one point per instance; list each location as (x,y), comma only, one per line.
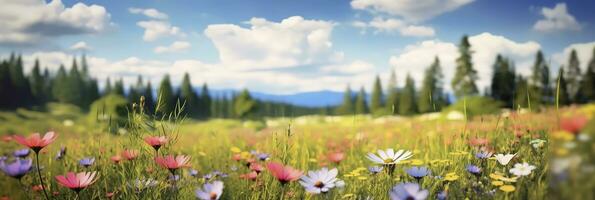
(571,86)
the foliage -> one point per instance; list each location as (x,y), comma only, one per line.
(475,106)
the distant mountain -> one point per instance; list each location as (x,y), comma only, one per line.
(308,99)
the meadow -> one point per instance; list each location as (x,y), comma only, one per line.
(545,155)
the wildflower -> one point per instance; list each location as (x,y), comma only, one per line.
(61,153)
(141,184)
(236,157)
(336,157)
(573,124)
(16,169)
(210,191)
(256,167)
(87,162)
(172,163)
(473,169)
(174,177)
(418,172)
(389,157)
(507,188)
(483,155)
(537,143)
(6,138)
(321,181)
(442,195)
(451,177)
(284,174)
(77,182)
(35,141)
(249,176)
(375,169)
(116,159)
(156,141)
(235,150)
(478,141)
(21,153)
(504,159)
(263,156)
(522,169)
(193,172)
(497,183)
(408,191)
(130,154)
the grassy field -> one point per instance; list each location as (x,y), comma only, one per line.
(223,150)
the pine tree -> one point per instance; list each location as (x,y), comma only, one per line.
(377,101)
(108,87)
(572,76)
(205,99)
(540,81)
(244,105)
(430,98)
(166,99)
(119,88)
(75,86)
(521,93)
(392,101)
(562,90)
(503,81)
(149,99)
(136,91)
(92,91)
(60,82)
(5,85)
(346,108)
(588,82)
(189,98)
(37,84)
(407,101)
(361,106)
(465,76)
(21,93)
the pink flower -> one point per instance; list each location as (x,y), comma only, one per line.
(284,174)
(573,124)
(336,157)
(77,182)
(130,154)
(250,176)
(116,159)
(171,163)
(156,141)
(35,141)
(256,167)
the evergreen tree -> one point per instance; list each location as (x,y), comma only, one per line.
(244,105)
(5,85)
(189,98)
(392,101)
(166,98)
(92,91)
(540,81)
(521,93)
(136,91)
(205,101)
(465,76)
(407,101)
(346,108)
(108,87)
(376,103)
(60,82)
(562,90)
(119,88)
(572,76)
(587,89)
(361,106)
(503,81)
(149,99)
(430,98)
(21,95)
(74,88)
(37,83)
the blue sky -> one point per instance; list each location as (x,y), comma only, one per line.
(292,46)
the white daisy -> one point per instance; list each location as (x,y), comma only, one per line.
(210,191)
(522,169)
(389,156)
(504,159)
(321,181)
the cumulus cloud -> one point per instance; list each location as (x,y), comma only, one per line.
(177,46)
(264,44)
(584,52)
(414,59)
(149,12)
(157,29)
(355,67)
(80,46)
(556,19)
(30,21)
(411,10)
(392,25)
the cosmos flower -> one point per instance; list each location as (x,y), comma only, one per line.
(408,191)
(442,195)
(193,172)
(284,174)
(61,153)
(418,172)
(389,157)
(77,182)
(321,181)
(375,169)
(156,141)
(473,169)
(130,154)
(504,159)
(21,153)
(16,169)
(210,191)
(249,176)
(335,157)
(35,141)
(116,159)
(256,167)
(87,162)
(522,169)
(172,163)
(483,155)
(573,124)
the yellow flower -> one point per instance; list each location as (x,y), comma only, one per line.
(507,188)
(495,176)
(497,183)
(235,149)
(506,179)
(245,155)
(417,162)
(451,177)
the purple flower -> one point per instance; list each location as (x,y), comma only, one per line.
(375,169)
(263,156)
(193,172)
(174,178)
(21,153)
(87,162)
(408,191)
(442,195)
(483,154)
(473,169)
(418,172)
(61,153)
(16,169)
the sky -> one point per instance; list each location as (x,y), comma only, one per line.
(285,47)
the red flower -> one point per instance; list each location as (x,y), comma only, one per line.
(172,163)
(284,174)
(116,159)
(478,141)
(336,157)
(35,141)
(156,141)
(6,138)
(256,167)
(573,124)
(236,157)
(78,181)
(130,154)
(250,176)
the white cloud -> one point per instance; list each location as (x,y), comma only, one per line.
(158,29)
(556,19)
(292,42)
(392,25)
(149,12)
(355,67)
(80,46)
(177,46)
(411,10)
(584,52)
(30,21)
(416,58)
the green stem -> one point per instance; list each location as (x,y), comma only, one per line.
(39,173)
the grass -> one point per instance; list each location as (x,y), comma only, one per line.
(441,145)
